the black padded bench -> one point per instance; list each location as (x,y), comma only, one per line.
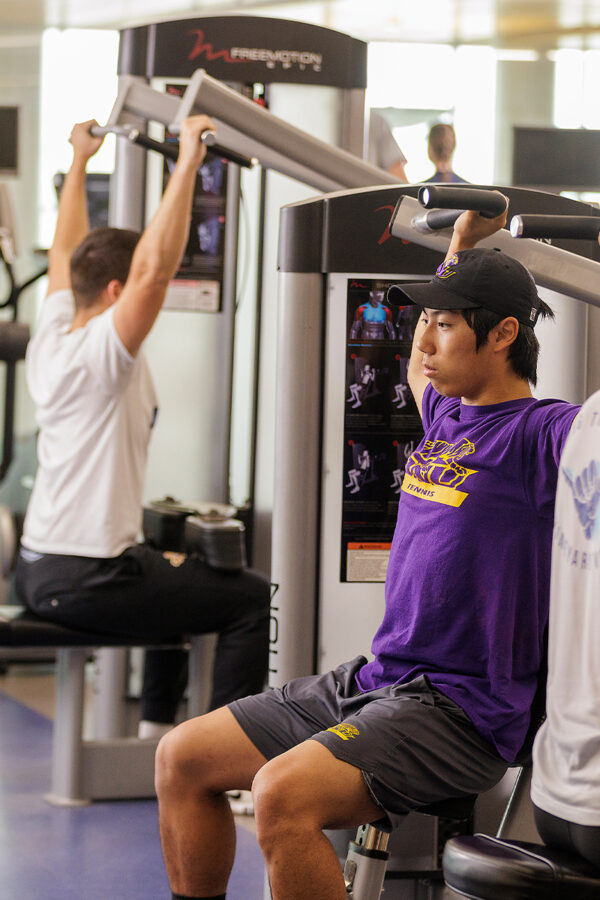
(512,866)
(487,868)
(100,769)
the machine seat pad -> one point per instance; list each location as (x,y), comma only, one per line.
(487,868)
(21,628)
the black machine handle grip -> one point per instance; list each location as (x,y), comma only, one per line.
(489,204)
(170,149)
(576,227)
(210,139)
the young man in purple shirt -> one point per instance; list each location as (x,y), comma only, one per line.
(445,704)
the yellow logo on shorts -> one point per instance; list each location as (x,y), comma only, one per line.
(346,732)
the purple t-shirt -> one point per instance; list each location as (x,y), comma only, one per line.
(467,586)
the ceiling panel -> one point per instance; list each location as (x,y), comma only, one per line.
(535,23)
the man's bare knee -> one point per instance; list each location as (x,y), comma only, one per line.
(305,790)
(206,756)
(281,808)
(179,758)
(273,790)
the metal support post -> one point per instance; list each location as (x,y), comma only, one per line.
(297,469)
(110,693)
(67,762)
(127,202)
(366,862)
(202,654)
(518,822)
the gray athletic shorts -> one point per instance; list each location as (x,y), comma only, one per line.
(412,744)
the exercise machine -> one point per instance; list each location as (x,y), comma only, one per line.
(14,335)
(262,76)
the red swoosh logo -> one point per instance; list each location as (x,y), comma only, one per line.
(204,47)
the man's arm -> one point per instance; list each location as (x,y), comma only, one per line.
(161,246)
(397,169)
(72,223)
(416,379)
(469,229)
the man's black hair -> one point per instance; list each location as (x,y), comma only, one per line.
(523,353)
(104,255)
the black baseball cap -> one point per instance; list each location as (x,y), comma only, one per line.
(472,279)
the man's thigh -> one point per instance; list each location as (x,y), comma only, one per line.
(277,720)
(194,596)
(141,592)
(312,785)
(412,745)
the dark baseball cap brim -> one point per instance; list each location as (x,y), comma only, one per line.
(429,294)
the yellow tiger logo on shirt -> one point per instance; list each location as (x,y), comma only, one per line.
(435,472)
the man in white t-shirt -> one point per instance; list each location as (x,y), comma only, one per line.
(382,149)
(566,756)
(80,564)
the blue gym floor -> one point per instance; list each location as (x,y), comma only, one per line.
(105,851)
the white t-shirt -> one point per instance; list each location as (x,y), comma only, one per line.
(566,756)
(96,405)
(382,149)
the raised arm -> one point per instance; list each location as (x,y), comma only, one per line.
(72,223)
(469,229)
(161,246)
(416,379)
(398,170)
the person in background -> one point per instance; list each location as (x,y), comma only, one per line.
(80,562)
(382,149)
(565,786)
(441,144)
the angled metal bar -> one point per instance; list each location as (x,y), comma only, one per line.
(249,129)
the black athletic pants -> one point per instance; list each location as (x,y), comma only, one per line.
(140,593)
(583,839)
